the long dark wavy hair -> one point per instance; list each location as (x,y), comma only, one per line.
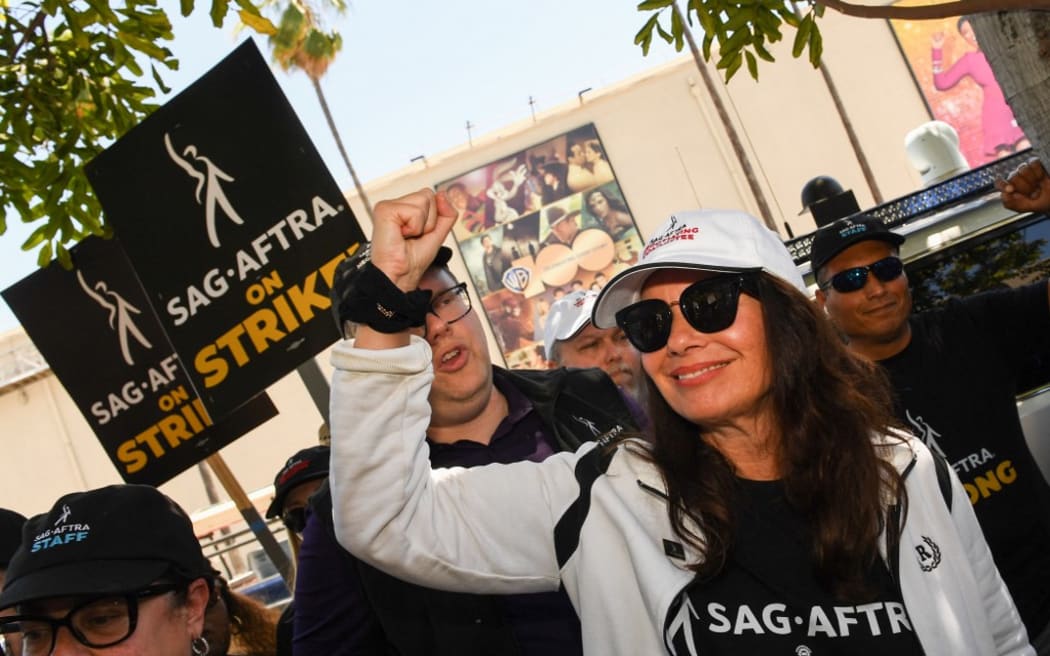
(827,404)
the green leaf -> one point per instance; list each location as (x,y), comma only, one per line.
(734,66)
(651,5)
(742,18)
(707,21)
(35,238)
(259,23)
(664,34)
(644,38)
(678,29)
(646,33)
(802,36)
(739,39)
(816,47)
(218,11)
(761,51)
(43,258)
(186,7)
(64,258)
(157,78)
(752,64)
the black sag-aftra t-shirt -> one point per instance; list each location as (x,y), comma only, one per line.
(955,386)
(767,600)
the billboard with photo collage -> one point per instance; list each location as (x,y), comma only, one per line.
(535,225)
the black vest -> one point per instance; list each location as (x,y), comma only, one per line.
(576,406)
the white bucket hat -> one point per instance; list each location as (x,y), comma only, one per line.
(722,241)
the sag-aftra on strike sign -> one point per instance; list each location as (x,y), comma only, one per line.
(234,226)
(105,345)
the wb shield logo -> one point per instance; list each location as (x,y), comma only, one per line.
(516,279)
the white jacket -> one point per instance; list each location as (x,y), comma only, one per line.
(501,528)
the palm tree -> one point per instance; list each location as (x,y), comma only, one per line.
(300,43)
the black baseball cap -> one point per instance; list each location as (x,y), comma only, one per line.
(305,465)
(836,237)
(114,539)
(11,524)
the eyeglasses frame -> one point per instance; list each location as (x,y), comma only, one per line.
(132,599)
(459,289)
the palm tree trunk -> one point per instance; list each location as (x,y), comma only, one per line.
(342,150)
(1017,45)
(727,123)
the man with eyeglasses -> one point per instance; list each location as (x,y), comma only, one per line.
(480,414)
(954,370)
(115,571)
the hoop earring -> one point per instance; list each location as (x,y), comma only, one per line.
(200,646)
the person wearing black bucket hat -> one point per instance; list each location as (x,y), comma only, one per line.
(115,571)
(765,513)
(955,370)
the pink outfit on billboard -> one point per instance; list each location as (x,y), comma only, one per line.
(998,127)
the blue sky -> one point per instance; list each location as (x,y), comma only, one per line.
(411,75)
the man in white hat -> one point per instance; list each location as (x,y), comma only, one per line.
(570,339)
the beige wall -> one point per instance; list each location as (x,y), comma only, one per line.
(49,449)
(669,152)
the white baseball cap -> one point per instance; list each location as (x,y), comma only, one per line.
(723,241)
(568,316)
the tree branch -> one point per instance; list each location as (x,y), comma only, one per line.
(38,22)
(939,10)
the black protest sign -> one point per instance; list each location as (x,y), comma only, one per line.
(234,226)
(102,340)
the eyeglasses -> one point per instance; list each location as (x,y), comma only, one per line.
(708,305)
(294,519)
(850,280)
(450,305)
(98,623)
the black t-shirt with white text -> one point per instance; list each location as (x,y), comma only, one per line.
(955,386)
(767,600)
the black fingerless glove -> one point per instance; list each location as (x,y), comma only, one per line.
(363,294)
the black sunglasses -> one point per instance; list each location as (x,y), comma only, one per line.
(294,519)
(850,280)
(708,305)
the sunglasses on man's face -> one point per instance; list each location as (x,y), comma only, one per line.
(709,306)
(294,519)
(850,280)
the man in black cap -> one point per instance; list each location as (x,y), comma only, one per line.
(954,370)
(295,483)
(480,414)
(117,569)
(293,486)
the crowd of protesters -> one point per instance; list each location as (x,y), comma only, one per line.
(714,463)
